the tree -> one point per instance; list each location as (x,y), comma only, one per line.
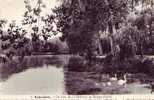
(80,21)
(40,25)
(12,39)
(32,18)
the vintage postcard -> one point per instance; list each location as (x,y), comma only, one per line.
(76,47)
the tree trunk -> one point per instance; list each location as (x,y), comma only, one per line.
(111,32)
(110,27)
(100,48)
(132,5)
(150,23)
(81,5)
(151,3)
(111,44)
(142,4)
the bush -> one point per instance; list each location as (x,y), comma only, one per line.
(50,47)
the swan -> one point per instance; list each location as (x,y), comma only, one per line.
(152,87)
(108,83)
(114,78)
(97,84)
(115,82)
(122,81)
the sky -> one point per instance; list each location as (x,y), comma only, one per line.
(14,9)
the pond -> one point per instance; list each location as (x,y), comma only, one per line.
(63,74)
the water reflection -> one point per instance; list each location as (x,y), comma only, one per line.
(84,78)
(35,75)
(45,80)
(16,66)
(64,75)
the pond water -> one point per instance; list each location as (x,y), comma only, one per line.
(35,81)
(60,75)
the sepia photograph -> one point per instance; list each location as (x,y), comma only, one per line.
(76,47)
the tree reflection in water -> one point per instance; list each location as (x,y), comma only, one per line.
(80,76)
(83,77)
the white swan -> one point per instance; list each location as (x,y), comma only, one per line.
(122,81)
(97,84)
(104,84)
(114,78)
(108,83)
(115,82)
(152,87)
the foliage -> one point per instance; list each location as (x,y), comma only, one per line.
(13,39)
(39,24)
(80,21)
